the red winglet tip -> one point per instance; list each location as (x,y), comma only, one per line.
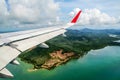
(76,17)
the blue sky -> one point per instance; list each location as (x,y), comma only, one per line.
(7,5)
(112,7)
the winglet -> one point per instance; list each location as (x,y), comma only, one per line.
(74,20)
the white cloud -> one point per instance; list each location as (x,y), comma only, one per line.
(57,19)
(23,13)
(95,17)
(76,10)
(28,11)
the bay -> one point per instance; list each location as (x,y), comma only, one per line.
(102,64)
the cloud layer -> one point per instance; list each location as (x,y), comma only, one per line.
(94,17)
(28,11)
(37,12)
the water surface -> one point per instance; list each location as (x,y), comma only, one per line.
(102,64)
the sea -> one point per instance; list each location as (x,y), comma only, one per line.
(101,64)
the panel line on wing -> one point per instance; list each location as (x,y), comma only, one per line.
(35,35)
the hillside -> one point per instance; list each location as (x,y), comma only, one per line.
(77,43)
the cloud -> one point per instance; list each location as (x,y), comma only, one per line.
(95,17)
(76,10)
(28,11)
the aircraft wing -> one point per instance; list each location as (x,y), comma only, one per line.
(13,43)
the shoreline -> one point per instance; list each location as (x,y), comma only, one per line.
(57,64)
(56,58)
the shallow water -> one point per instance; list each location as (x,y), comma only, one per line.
(102,64)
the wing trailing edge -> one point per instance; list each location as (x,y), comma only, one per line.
(5,73)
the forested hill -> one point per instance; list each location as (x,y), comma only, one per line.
(77,41)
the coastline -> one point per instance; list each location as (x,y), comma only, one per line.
(75,45)
(56,58)
(89,63)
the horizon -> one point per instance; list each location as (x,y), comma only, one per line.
(24,29)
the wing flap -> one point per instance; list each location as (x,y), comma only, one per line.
(5,73)
(31,42)
(7,54)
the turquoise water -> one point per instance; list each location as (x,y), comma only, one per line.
(102,64)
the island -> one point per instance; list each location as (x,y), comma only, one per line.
(63,49)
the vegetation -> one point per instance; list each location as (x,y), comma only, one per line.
(77,41)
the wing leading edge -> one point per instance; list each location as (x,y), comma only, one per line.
(12,44)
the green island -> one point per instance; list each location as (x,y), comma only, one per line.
(63,49)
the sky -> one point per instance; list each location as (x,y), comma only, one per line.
(97,14)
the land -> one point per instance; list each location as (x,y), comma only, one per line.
(57,58)
(63,49)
